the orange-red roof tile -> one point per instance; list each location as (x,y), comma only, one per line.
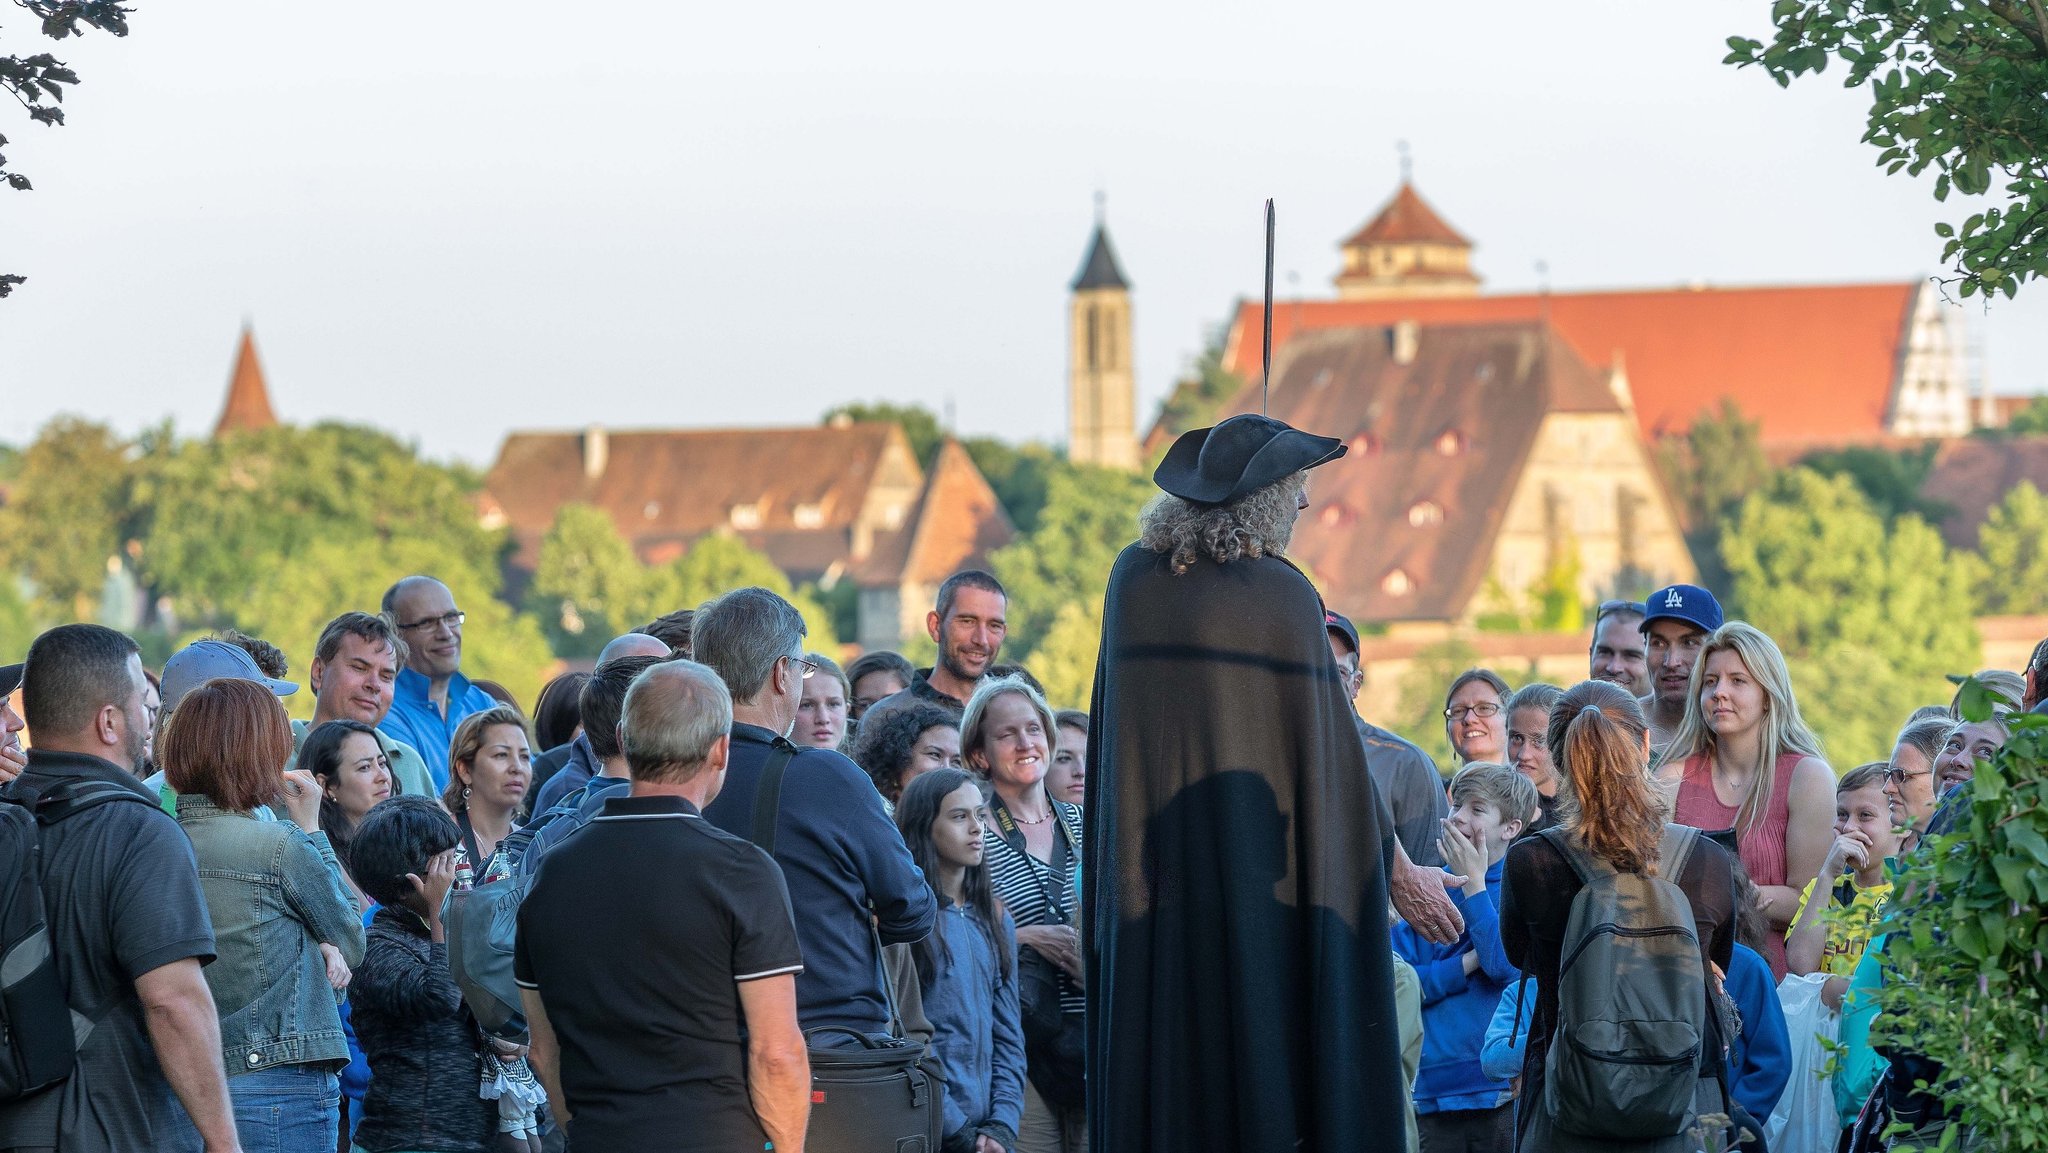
(1814,364)
(1406,219)
(248,403)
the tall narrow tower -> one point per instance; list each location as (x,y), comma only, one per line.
(1102,395)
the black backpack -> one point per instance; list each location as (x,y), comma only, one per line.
(39,1031)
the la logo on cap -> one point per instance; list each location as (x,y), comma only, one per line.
(1672,600)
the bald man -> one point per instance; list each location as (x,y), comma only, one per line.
(562,770)
(431,696)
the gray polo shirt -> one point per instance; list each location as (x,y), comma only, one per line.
(1415,794)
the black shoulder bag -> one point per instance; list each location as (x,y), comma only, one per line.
(869,1093)
(1055,1041)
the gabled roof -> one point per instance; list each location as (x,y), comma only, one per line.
(1099,268)
(1972,474)
(1437,447)
(957,523)
(800,491)
(1815,364)
(248,403)
(1406,219)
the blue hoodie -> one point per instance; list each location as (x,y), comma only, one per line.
(1456,1007)
(1760,1057)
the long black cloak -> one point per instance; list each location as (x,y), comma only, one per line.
(1240,977)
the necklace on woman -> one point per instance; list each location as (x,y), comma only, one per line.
(1024,820)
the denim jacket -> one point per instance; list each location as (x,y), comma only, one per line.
(274,893)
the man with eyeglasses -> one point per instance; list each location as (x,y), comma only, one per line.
(1617,651)
(839,851)
(1676,623)
(431,696)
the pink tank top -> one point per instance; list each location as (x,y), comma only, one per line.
(1762,845)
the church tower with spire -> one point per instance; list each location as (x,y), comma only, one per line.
(248,403)
(1102,393)
(1406,250)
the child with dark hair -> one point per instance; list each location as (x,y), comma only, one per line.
(421,1041)
(901,743)
(967,967)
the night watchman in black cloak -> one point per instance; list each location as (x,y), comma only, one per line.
(1240,976)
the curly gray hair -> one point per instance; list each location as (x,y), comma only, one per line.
(1258,525)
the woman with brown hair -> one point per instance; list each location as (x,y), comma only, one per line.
(490,771)
(1606,808)
(276,895)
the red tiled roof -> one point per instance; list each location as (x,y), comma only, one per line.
(958,522)
(1972,474)
(1437,447)
(1406,219)
(248,403)
(1816,364)
(806,487)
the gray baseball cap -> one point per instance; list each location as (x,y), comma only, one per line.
(206,660)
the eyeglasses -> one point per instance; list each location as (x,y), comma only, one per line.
(810,669)
(451,621)
(1609,608)
(1483,709)
(1899,776)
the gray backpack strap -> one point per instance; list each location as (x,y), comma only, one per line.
(1588,866)
(1675,850)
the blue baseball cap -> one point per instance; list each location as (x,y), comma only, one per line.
(206,660)
(1689,603)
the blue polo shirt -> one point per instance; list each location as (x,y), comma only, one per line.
(414,719)
(839,854)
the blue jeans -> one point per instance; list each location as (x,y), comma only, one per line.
(286,1109)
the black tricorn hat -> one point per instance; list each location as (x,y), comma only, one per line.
(1238,457)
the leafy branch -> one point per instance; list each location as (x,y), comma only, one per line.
(1956,87)
(37,82)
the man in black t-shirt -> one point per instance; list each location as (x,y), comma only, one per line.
(653,943)
(127,921)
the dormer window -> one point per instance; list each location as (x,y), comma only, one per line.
(1450,442)
(809,516)
(1336,514)
(1323,376)
(1425,514)
(651,509)
(747,516)
(1364,444)
(1397,584)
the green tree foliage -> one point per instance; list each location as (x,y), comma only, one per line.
(1891,479)
(920,426)
(587,587)
(1953,87)
(72,508)
(1872,616)
(1718,461)
(2013,541)
(1421,712)
(226,513)
(1064,661)
(18,622)
(1090,515)
(2030,420)
(1020,474)
(37,81)
(1198,399)
(1964,981)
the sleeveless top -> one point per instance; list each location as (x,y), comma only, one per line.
(1761,846)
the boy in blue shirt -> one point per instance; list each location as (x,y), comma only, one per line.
(1457,1106)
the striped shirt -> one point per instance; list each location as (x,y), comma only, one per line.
(1034,892)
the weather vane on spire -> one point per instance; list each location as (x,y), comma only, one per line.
(1101,205)
(1407,161)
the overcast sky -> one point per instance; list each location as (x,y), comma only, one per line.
(457,218)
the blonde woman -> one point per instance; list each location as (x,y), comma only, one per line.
(1744,760)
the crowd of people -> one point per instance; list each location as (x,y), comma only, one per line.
(265,950)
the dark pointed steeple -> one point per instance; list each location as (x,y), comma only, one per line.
(1099,269)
